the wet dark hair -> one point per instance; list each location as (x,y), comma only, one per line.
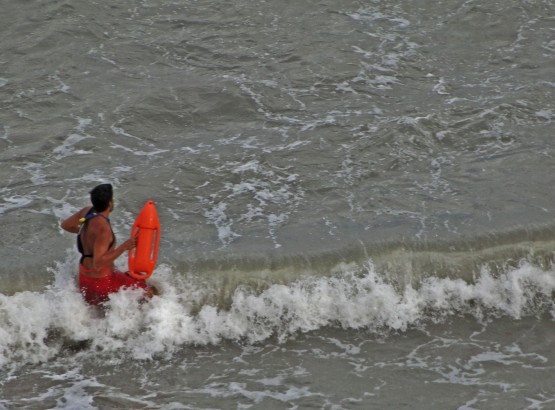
(101,196)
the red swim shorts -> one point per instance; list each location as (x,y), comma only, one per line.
(97,290)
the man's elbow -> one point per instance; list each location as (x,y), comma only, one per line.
(66,226)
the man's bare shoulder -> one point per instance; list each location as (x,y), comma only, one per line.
(99,226)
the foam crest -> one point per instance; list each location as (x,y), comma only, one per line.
(36,326)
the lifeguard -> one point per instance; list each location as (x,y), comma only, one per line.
(97,244)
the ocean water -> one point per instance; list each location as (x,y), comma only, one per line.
(356,200)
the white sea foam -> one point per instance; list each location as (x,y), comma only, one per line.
(67,148)
(545,114)
(14,202)
(234,389)
(121,131)
(263,193)
(351,298)
(216,214)
(6,136)
(61,87)
(36,171)
(139,152)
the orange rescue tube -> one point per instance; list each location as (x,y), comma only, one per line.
(147,229)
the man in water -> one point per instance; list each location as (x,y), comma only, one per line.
(97,244)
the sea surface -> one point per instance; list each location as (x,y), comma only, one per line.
(357,201)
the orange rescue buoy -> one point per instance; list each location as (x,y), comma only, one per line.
(147,229)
